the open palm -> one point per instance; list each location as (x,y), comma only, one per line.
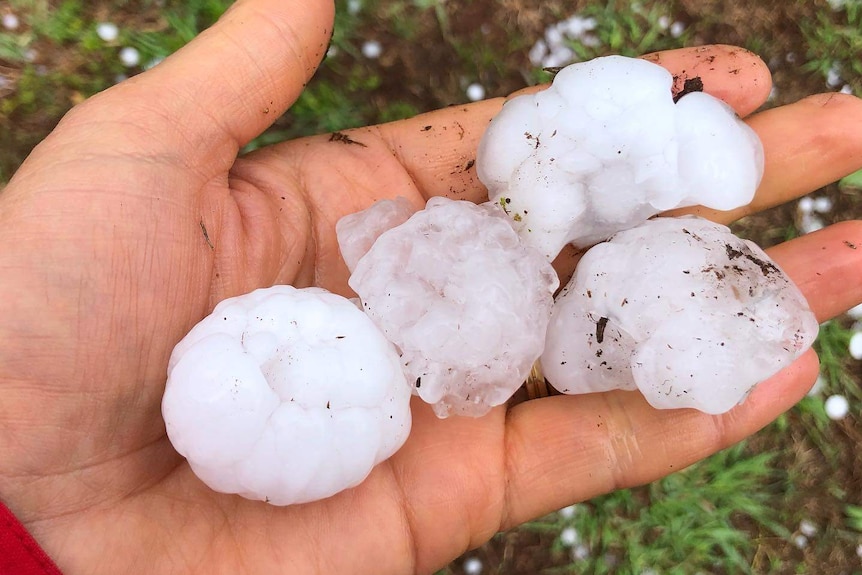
(129,223)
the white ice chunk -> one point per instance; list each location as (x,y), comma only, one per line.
(286,396)
(357,232)
(606,147)
(681,309)
(464,300)
(856,345)
(837,407)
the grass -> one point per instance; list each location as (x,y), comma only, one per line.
(736,512)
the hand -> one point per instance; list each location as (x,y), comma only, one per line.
(129,223)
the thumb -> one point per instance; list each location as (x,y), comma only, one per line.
(222,89)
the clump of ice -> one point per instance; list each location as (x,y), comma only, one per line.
(807,528)
(285,396)
(569,537)
(357,232)
(837,407)
(464,300)
(130,57)
(10,21)
(669,308)
(553,48)
(372,49)
(472,566)
(475,92)
(855,346)
(107,31)
(605,147)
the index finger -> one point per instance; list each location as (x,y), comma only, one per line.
(438,149)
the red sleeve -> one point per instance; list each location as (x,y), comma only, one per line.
(19,552)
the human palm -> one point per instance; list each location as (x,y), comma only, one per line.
(135,217)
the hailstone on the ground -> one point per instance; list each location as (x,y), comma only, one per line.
(680,309)
(285,395)
(606,146)
(464,300)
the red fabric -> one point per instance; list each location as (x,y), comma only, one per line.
(19,552)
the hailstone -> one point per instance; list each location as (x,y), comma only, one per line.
(680,309)
(464,300)
(606,146)
(286,396)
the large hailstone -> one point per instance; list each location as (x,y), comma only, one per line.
(680,309)
(286,396)
(463,299)
(605,147)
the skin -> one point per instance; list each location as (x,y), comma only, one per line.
(105,267)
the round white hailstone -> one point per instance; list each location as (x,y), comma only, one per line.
(475,92)
(357,232)
(681,309)
(836,407)
(576,26)
(569,537)
(605,147)
(805,205)
(568,512)
(554,36)
(580,552)
(818,386)
(286,396)
(372,49)
(823,204)
(800,541)
(810,223)
(31,55)
(354,7)
(677,29)
(855,346)
(846,89)
(130,57)
(807,528)
(538,52)
(107,31)
(10,21)
(855,312)
(833,76)
(590,41)
(463,299)
(664,22)
(472,566)
(859,550)
(559,56)
(332,52)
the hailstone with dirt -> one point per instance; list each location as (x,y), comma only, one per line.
(464,300)
(681,309)
(609,145)
(286,396)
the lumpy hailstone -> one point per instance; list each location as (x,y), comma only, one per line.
(605,147)
(672,308)
(464,300)
(286,396)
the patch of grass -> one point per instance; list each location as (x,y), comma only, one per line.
(834,42)
(688,522)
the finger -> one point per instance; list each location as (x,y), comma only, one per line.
(565,448)
(808,145)
(439,148)
(227,85)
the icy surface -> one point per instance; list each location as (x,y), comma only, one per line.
(286,396)
(605,147)
(681,309)
(464,300)
(358,232)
